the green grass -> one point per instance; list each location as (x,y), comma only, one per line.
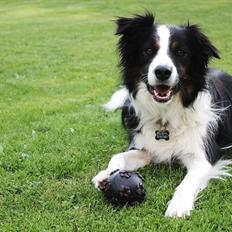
(58,66)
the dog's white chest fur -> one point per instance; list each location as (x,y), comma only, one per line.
(187,126)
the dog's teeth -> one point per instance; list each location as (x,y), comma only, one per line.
(161,95)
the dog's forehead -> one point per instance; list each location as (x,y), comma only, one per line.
(178,32)
(169,34)
(162,35)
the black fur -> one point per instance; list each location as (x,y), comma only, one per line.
(129,120)
(198,50)
(136,34)
(220,87)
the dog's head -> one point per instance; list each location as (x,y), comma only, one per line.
(168,59)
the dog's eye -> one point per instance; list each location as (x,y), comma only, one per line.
(180,52)
(148,51)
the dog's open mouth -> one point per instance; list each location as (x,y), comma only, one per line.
(161,93)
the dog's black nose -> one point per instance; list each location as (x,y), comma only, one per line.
(163,73)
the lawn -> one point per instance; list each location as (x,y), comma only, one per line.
(58,66)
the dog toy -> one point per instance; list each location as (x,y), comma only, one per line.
(123,187)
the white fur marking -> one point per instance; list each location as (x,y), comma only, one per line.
(162,58)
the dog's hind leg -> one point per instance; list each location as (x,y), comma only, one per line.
(128,161)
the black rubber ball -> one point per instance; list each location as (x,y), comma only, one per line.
(123,187)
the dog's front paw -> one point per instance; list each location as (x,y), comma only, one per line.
(100,178)
(179,208)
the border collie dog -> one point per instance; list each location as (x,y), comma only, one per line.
(173,106)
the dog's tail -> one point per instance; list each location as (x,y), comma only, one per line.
(220,170)
(117,100)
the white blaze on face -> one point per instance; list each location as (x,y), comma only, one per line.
(162,58)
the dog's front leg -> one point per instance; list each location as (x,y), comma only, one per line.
(195,180)
(128,161)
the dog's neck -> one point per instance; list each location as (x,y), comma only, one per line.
(172,114)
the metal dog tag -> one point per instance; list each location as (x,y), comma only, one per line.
(162,134)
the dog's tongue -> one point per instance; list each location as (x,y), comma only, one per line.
(162,90)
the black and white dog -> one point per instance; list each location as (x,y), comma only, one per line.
(173,105)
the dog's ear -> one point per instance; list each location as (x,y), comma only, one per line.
(208,49)
(139,23)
